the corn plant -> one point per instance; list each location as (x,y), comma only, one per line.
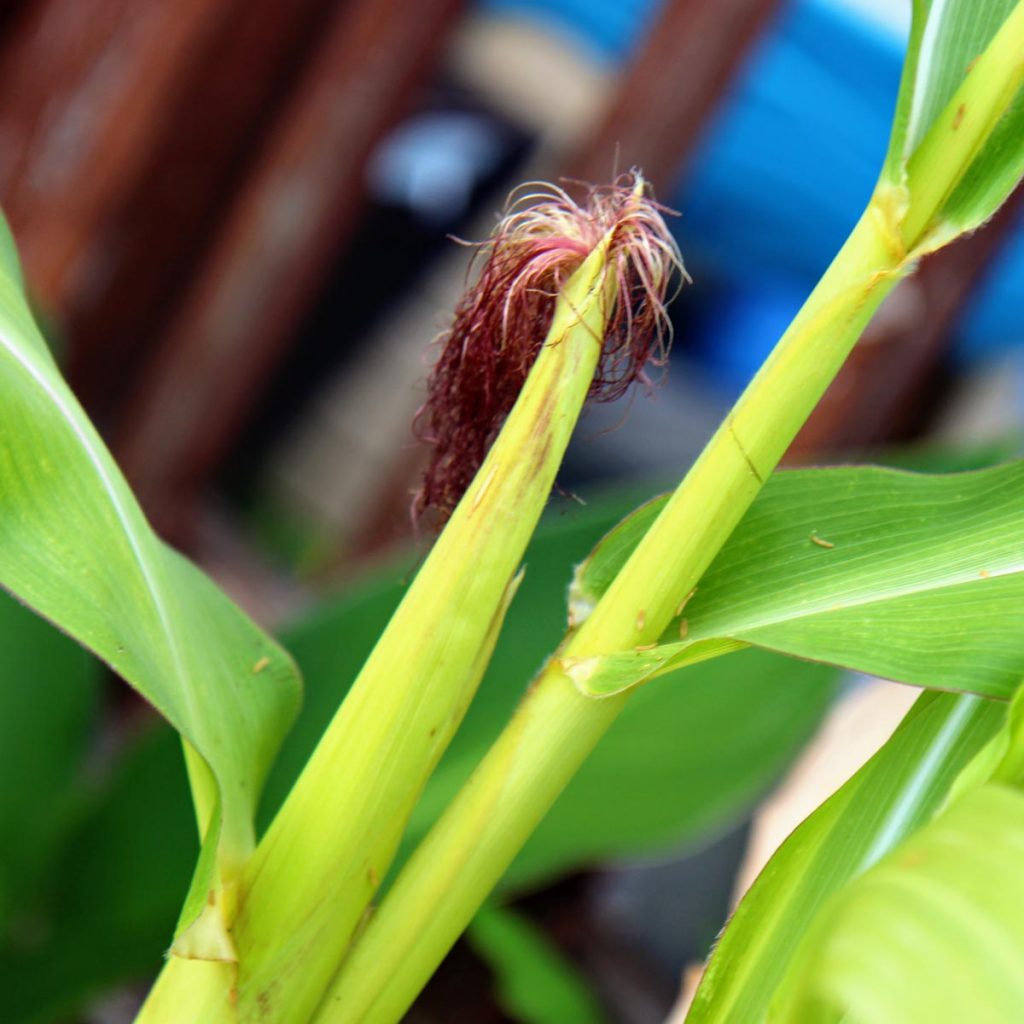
(897,900)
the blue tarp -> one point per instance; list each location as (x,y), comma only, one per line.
(784,170)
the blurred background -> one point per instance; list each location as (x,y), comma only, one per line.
(235,219)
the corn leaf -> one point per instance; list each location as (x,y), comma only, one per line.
(991,177)
(911,577)
(946,36)
(75,546)
(938,101)
(896,792)
(934,932)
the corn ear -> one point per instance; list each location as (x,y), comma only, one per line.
(315,872)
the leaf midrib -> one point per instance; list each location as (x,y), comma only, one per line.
(718,629)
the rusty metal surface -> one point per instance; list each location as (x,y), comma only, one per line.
(277,243)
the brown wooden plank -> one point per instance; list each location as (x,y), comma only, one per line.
(672,86)
(84,87)
(150,245)
(277,243)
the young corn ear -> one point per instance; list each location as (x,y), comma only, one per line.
(541,241)
(562,299)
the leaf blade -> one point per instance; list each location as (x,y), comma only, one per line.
(951,35)
(76,547)
(933,932)
(928,569)
(888,799)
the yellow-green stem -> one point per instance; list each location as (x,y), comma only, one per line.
(191,990)
(555,728)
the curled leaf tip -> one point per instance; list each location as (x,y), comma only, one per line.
(501,323)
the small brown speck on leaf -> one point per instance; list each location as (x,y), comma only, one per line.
(684,629)
(260,665)
(912,859)
(645,647)
(815,539)
(641,620)
(958,117)
(685,601)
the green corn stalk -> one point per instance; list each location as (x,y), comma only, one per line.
(464,856)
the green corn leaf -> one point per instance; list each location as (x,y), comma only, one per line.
(916,578)
(75,546)
(933,933)
(991,177)
(957,145)
(1002,758)
(534,983)
(896,792)
(894,169)
(945,38)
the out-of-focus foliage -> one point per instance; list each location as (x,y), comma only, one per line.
(110,900)
(533,982)
(49,695)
